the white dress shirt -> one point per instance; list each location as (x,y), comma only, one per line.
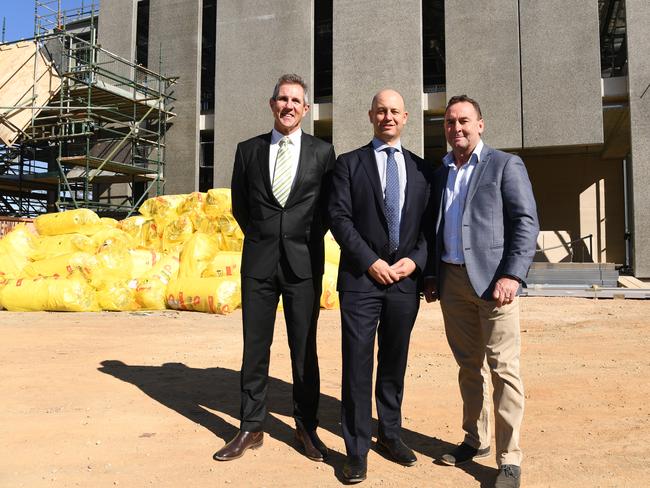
(381,157)
(294,147)
(454,204)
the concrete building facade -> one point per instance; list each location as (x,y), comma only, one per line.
(564,83)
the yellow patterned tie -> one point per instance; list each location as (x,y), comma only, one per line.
(282,172)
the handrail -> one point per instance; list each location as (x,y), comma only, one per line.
(569,245)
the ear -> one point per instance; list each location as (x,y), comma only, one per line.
(306,108)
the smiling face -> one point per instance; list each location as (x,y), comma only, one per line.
(388,116)
(288,108)
(463,128)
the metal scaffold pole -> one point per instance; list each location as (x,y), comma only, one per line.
(88,131)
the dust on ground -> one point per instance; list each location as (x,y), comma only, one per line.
(145,399)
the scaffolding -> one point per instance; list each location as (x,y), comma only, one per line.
(84,128)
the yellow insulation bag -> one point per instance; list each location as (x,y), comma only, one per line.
(72,294)
(150,292)
(111,236)
(197,253)
(113,264)
(51,246)
(163,208)
(209,295)
(16,251)
(78,221)
(143,260)
(224,263)
(176,233)
(62,266)
(332,249)
(118,296)
(329,298)
(134,227)
(217,202)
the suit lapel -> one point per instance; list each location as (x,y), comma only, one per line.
(304,163)
(369,164)
(486,154)
(411,175)
(262,157)
(441,184)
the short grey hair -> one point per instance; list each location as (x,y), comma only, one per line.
(290,79)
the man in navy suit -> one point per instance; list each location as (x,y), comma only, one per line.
(378,209)
(485,239)
(278,198)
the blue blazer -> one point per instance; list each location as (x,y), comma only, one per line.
(358,222)
(499,225)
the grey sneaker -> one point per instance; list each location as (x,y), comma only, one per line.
(463,453)
(509,477)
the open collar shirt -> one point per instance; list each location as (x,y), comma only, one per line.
(458,180)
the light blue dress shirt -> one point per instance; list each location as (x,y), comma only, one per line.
(381,157)
(454,204)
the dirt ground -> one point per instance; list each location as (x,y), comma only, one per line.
(145,399)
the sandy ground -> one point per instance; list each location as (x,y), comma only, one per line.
(136,400)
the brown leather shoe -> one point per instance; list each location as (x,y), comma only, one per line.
(312,446)
(238,446)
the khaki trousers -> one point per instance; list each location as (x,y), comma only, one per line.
(478,332)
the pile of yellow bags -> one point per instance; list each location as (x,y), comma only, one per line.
(182,252)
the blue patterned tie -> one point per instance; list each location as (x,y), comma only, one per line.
(391,200)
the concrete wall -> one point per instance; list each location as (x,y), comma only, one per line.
(375,45)
(175,31)
(257,42)
(638,47)
(581,195)
(482,61)
(117,27)
(560,60)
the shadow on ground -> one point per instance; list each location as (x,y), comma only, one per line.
(192,391)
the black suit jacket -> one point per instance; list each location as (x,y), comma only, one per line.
(298,227)
(358,222)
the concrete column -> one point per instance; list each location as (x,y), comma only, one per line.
(257,42)
(117,27)
(560,58)
(175,35)
(375,45)
(638,39)
(482,61)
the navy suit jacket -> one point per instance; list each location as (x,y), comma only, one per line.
(358,222)
(499,224)
(298,227)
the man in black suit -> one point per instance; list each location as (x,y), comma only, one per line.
(378,208)
(278,192)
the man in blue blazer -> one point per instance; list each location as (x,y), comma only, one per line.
(485,238)
(379,207)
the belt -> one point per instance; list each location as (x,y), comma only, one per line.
(457,265)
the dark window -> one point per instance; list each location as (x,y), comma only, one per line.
(433,45)
(208,42)
(323,51)
(613,38)
(142,34)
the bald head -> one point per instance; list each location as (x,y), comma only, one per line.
(388,115)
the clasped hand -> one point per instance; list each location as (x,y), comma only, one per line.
(387,274)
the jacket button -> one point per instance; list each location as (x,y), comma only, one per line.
(285,235)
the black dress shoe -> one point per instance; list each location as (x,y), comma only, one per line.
(463,453)
(397,451)
(237,447)
(312,446)
(355,468)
